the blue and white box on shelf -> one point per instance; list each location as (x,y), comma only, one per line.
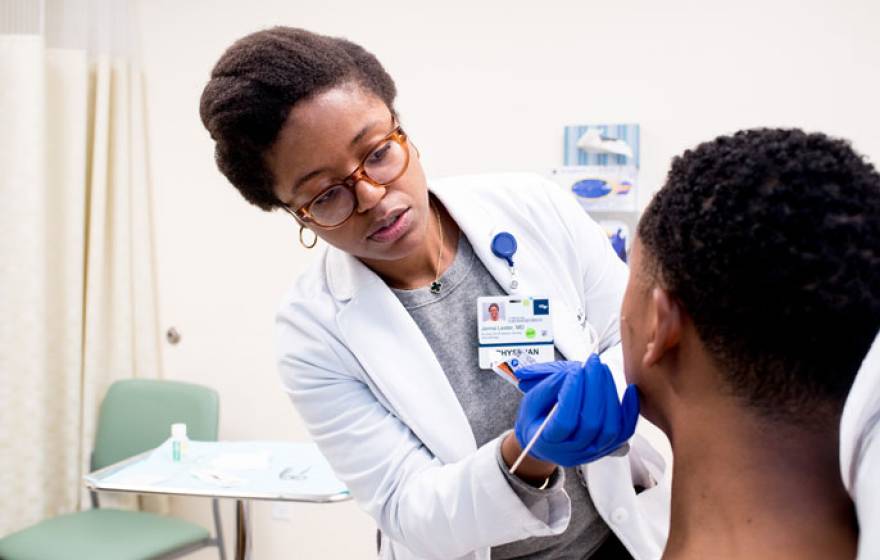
(597,188)
(601,166)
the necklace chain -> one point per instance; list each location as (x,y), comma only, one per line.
(436,285)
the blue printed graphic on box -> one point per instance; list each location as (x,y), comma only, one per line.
(541,307)
(602,188)
(601,166)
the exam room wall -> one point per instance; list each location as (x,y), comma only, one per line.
(483,86)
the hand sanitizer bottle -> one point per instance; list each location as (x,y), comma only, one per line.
(179,442)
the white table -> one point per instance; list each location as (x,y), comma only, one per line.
(241,470)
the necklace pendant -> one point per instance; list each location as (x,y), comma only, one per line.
(435,286)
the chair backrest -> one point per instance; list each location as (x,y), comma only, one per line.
(136,415)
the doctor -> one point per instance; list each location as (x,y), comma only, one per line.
(377,341)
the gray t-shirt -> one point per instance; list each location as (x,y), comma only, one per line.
(449,322)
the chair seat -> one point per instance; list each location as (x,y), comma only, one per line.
(99,534)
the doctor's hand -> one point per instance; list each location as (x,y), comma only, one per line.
(530,376)
(589,423)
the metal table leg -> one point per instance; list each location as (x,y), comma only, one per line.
(242,530)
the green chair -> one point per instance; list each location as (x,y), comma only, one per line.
(135,416)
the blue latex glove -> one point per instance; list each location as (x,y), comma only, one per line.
(530,376)
(589,423)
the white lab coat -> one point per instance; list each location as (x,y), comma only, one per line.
(377,403)
(860,451)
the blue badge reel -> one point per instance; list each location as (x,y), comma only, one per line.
(504,247)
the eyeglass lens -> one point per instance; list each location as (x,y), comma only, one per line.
(383,165)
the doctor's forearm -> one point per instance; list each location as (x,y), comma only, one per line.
(532,471)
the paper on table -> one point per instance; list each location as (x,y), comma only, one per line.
(241,461)
(308,473)
(217,478)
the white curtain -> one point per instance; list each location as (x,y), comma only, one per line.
(77,277)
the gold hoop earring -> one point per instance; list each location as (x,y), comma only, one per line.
(303,243)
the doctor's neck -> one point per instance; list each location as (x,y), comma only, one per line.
(746,486)
(424,265)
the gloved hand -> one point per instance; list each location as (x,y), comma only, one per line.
(589,422)
(530,376)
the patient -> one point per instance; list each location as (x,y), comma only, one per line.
(754,294)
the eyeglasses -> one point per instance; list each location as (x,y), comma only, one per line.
(383,164)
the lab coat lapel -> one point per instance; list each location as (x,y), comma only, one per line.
(537,276)
(395,354)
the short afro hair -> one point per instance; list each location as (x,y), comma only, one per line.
(256,82)
(769,239)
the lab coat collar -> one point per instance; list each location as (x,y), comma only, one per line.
(346,275)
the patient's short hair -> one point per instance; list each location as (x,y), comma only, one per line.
(256,82)
(770,239)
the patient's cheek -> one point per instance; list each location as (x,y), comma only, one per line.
(629,359)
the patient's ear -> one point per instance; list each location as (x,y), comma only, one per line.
(667,321)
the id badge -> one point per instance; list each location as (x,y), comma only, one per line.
(514,327)
(506,369)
